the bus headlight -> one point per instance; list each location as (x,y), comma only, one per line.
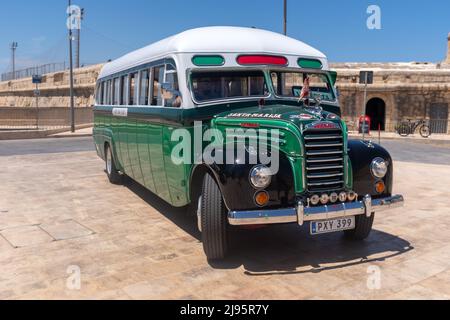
(379,168)
(260,177)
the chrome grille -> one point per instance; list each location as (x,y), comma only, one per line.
(324,151)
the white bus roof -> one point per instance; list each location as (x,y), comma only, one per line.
(214,40)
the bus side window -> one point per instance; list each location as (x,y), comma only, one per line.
(98,95)
(144,92)
(171,94)
(123,89)
(108,92)
(158,77)
(133,89)
(116,90)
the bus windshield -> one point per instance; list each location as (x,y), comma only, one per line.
(291,84)
(220,85)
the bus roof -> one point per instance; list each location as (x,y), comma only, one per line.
(214,40)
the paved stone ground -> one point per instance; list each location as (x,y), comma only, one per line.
(58,213)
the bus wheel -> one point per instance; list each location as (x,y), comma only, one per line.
(111,170)
(214,222)
(363,227)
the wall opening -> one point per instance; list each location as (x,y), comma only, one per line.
(376,110)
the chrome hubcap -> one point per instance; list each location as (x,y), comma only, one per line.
(199,214)
(108,162)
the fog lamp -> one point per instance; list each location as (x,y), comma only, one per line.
(334,197)
(343,197)
(262,198)
(352,196)
(314,200)
(324,199)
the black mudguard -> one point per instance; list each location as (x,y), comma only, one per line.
(234,183)
(361,154)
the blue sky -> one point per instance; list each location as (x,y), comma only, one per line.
(411,30)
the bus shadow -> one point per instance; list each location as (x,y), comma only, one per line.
(289,249)
(181,217)
(284,249)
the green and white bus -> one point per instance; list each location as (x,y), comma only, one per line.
(224,78)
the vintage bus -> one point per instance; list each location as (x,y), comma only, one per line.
(230,78)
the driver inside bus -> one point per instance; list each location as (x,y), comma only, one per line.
(172,98)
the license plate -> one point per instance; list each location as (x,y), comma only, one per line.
(333,225)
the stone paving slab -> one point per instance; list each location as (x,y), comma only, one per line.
(60,211)
(26,236)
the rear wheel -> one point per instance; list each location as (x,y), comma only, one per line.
(425,131)
(111,169)
(404,129)
(363,227)
(214,224)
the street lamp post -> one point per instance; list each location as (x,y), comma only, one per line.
(285,18)
(72,102)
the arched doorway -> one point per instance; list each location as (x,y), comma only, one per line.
(376,110)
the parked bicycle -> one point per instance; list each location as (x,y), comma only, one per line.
(405,128)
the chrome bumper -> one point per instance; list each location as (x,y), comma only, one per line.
(300,214)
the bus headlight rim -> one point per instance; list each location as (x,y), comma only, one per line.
(260,176)
(379,168)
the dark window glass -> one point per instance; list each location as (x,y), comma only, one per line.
(144,92)
(123,89)
(158,78)
(133,89)
(208,86)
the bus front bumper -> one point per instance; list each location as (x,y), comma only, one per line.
(301,214)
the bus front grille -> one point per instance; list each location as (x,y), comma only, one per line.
(324,150)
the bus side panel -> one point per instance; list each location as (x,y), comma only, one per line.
(133,151)
(177,178)
(157,160)
(144,155)
(121,142)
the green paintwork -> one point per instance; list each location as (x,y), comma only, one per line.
(142,145)
(310,63)
(204,61)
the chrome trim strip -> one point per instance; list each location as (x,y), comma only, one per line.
(324,160)
(300,214)
(325,175)
(321,153)
(322,137)
(318,184)
(324,145)
(323,168)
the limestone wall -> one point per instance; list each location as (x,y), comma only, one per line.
(409,90)
(54,89)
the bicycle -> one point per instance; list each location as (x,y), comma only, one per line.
(405,128)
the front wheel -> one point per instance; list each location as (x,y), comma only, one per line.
(111,169)
(425,131)
(214,224)
(363,227)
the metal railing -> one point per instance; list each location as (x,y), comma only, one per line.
(437,126)
(45,118)
(38,70)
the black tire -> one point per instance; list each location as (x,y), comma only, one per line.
(425,131)
(363,227)
(114,175)
(404,129)
(213,220)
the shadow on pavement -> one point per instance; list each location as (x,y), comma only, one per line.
(284,249)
